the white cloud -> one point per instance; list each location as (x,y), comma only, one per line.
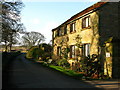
(35,21)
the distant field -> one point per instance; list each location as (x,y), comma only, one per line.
(14,48)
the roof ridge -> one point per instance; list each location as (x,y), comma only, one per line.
(92,7)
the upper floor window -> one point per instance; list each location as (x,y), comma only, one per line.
(72,27)
(59,32)
(65,30)
(86,22)
(53,34)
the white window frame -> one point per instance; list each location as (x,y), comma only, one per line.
(86,50)
(59,51)
(86,22)
(72,27)
(72,51)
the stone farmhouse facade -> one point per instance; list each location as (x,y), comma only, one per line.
(91,32)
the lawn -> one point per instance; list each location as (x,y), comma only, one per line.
(67,71)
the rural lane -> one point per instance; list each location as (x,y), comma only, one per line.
(24,73)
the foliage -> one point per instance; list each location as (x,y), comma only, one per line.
(65,52)
(63,63)
(67,71)
(34,53)
(55,58)
(11,24)
(47,51)
(91,66)
(32,38)
(43,51)
(78,41)
(64,47)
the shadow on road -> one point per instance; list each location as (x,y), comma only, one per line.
(24,74)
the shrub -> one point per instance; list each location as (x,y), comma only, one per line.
(67,71)
(91,66)
(55,59)
(47,51)
(34,53)
(46,56)
(63,63)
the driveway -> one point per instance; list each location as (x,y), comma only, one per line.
(27,74)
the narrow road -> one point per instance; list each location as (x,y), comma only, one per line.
(26,74)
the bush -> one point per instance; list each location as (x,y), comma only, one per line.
(63,63)
(55,60)
(34,53)
(47,51)
(46,56)
(67,71)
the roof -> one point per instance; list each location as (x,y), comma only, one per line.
(95,6)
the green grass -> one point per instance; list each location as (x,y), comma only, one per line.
(66,71)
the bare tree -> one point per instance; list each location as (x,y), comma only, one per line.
(10,22)
(32,38)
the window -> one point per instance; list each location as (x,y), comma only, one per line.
(65,30)
(86,50)
(59,51)
(72,27)
(72,51)
(59,33)
(54,34)
(86,22)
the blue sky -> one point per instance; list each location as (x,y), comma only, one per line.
(44,16)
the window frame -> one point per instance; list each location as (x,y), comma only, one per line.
(72,51)
(85,23)
(73,27)
(86,49)
(59,32)
(59,51)
(65,29)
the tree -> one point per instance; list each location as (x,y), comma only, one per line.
(42,51)
(32,38)
(47,51)
(35,52)
(10,22)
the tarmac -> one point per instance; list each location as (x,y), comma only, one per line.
(106,84)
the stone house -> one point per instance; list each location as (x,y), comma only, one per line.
(91,32)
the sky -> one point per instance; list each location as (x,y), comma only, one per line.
(43,16)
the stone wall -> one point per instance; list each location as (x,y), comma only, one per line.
(89,35)
(109,28)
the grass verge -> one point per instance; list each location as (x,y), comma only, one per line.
(63,70)
(67,71)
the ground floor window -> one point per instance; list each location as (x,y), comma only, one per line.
(86,50)
(59,51)
(72,51)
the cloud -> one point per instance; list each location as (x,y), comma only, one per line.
(35,21)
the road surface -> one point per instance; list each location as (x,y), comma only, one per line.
(26,74)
